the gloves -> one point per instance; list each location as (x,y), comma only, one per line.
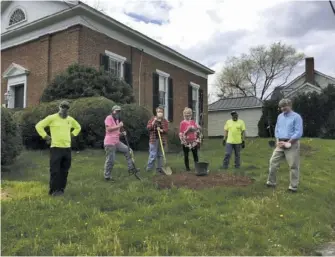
(48,139)
(224,142)
(243,144)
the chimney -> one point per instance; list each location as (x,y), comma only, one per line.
(309,69)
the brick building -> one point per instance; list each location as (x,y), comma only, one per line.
(36,46)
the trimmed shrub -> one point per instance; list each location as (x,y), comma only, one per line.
(11,141)
(173,144)
(135,119)
(90,113)
(81,81)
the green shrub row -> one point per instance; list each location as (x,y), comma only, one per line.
(11,141)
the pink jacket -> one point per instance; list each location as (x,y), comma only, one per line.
(188,136)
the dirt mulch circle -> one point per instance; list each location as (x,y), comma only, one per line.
(191,181)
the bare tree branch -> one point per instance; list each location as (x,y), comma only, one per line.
(254,73)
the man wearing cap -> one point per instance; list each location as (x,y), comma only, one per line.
(233,139)
(112,142)
(60,125)
(155,152)
(288,131)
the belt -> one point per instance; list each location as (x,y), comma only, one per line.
(283,139)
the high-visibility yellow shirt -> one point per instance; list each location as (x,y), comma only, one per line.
(235,129)
(60,129)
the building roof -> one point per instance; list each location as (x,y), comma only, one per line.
(84,7)
(235,103)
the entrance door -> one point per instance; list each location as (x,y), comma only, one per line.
(19,96)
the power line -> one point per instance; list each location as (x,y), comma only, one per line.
(331,5)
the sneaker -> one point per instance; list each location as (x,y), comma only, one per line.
(270,185)
(292,190)
(57,193)
(109,179)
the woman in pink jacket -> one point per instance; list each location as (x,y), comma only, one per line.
(188,134)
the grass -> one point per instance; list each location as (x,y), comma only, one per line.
(129,217)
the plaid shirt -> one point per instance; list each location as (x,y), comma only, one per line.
(153,130)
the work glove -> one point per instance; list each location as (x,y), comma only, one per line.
(243,144)
(48,139)
(224,142)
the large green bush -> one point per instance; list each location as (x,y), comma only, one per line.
(90,113)
(81,81)
(135,119)
(11,141)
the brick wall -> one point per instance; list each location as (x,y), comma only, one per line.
(34,57)
(92,44)
(44,58)
(52,54)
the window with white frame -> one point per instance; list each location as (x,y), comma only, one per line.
(17,16)
(163,91)
(195,101)
(115,64)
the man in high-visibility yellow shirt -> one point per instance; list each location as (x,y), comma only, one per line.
(234,133)
(60,125)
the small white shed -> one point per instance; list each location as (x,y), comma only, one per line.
(249,110)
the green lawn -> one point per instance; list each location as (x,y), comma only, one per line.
(130,217)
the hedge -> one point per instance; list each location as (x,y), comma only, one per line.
(11,141)
(316,110)
(90,113)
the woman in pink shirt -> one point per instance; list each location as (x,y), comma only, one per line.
(189,137)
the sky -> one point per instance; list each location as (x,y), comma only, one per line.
(209,31)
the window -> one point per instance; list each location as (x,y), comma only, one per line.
(17,16)
(115,64)
(163,91)
(195,101)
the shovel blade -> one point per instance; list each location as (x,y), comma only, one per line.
(167,170)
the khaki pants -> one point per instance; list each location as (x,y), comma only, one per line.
(292,156)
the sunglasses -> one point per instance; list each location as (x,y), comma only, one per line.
(64,107)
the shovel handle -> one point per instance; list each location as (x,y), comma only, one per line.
(161,143)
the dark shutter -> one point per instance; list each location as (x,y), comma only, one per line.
(189,96)
(104,61)
(170,100)
(127,73)
(201,107)
(155,92)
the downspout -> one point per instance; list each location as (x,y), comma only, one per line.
(131,66)
(139,79)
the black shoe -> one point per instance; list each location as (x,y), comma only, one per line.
(188,169)
(110,179)
(160,172)
(57,193)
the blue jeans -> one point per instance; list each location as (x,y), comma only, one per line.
(155,152)
(229,151)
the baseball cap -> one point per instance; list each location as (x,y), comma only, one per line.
(116,108)
(65,104)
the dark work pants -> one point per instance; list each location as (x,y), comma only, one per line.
(229,151)
(195,155)
(60,163)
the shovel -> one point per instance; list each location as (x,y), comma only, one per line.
(166,169)
(134,170)
(272,143)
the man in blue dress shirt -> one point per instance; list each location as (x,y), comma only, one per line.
(288,131)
